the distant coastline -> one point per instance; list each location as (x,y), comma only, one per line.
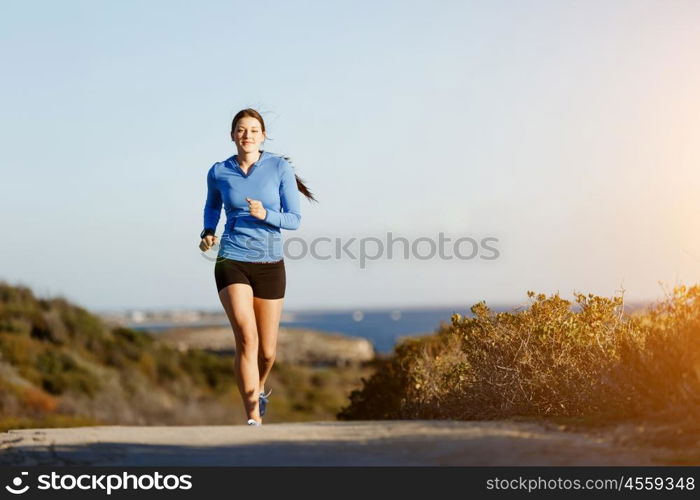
(384,327)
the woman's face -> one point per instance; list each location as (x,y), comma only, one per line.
(248,134)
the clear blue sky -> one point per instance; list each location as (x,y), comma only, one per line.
(567,130)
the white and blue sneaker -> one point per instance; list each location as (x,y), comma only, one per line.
(252,421)
(262,400)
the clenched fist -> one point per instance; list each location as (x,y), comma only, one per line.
(256,208)
(207,242)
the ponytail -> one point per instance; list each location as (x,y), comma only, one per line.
(300,184)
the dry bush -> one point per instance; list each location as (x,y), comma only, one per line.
(551,359)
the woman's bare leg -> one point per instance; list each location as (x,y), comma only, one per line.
(237,300)
(267,316)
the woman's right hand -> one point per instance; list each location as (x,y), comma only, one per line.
(207,242)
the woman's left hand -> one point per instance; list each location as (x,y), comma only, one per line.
(256,208)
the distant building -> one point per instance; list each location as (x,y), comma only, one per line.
(137,316)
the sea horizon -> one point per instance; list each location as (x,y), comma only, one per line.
(383,326)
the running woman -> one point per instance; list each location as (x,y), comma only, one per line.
(260,194)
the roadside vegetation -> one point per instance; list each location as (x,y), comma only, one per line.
(585,364)
(60,366)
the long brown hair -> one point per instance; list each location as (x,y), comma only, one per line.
(254,114)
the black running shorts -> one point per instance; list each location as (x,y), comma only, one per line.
(268,279)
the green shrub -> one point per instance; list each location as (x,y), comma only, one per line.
(209,370)
(60,373)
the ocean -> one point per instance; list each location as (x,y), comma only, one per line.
(382,327)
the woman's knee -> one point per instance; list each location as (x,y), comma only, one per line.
(247,341)
(267,356)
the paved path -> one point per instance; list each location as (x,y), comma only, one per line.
(387,442)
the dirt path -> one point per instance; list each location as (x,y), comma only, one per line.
(390,442)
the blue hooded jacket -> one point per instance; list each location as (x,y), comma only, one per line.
(270,180)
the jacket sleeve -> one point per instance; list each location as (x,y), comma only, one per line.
(290,216)
(212,207)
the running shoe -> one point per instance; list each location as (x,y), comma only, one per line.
(254,422)
(263,401)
